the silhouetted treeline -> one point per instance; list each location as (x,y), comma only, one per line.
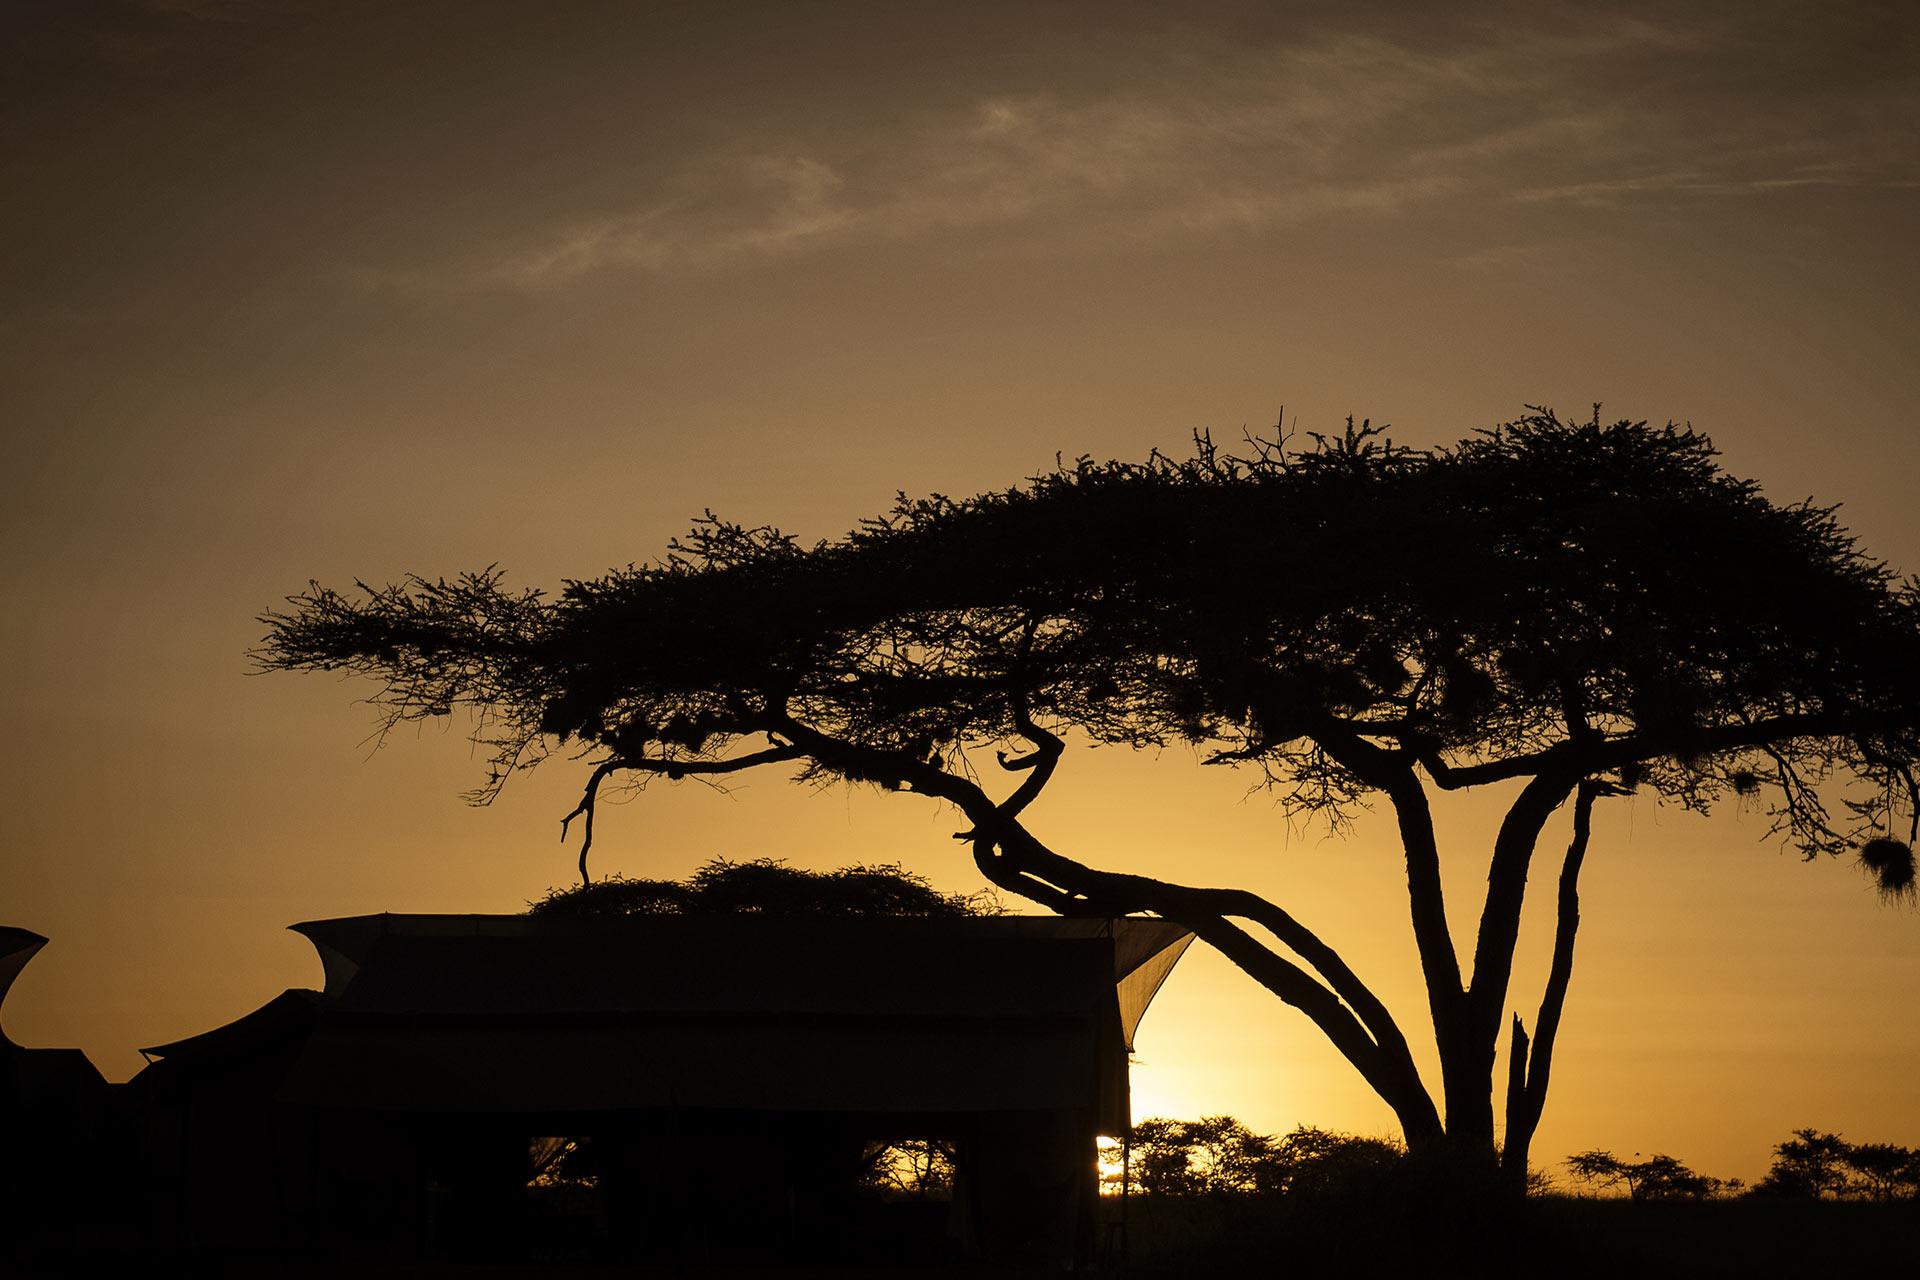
(1211,1197)
(1220,1156)
(1811,1165)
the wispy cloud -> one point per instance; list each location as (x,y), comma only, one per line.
(1141,165)
(1699,182)
(761,205)
(1201,139)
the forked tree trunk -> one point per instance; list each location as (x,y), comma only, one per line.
(1460,1154)
(1470,1159)
(1530,1063)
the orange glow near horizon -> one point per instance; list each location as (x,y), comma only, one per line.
(373,290)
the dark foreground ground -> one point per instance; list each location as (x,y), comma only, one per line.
(1547,1237)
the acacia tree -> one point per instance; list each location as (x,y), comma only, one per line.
(1812,1165)
(1884,1171)
(1658,1177)
(1568,611)
(1214,1155)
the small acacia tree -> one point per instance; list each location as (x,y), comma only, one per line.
(1813,1165)
(1571,611)
(1658,1177)
(1884,1170)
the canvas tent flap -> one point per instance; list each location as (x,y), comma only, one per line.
(345,943)
(17,946)
(1138,985)
(1145,951)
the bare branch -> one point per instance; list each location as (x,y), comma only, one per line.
(676,769)
(584,810)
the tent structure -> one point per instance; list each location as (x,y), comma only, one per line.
(728,1071)
(52,1105)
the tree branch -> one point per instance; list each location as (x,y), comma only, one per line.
(1119,894)
(584,809)
(1610,753)
(1039,764)
(1378,767)
(1384,1063)
(1009,856)
(1391,773)
(1506,895)
(1560,973)
(675,769)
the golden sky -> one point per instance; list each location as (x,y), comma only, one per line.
(298,289)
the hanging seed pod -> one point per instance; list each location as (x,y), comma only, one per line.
(1889,863)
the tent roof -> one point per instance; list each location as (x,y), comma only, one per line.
(499,1014)
(289,1013)
(516,1014)
(901,967)
(46,1078)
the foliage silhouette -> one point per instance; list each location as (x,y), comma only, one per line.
(1218,1155)
(911,1168)
(1813,1165)
(1318,1163)
(1658,1177)
(1883,1170)
(1570,611)
(766,886)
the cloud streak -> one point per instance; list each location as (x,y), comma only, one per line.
(1199,139)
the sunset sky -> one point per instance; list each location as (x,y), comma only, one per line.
(329,289)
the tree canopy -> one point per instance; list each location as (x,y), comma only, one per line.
(1583,609)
